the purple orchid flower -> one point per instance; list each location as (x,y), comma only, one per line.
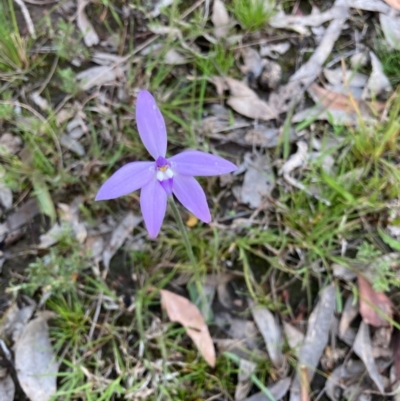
(160,179)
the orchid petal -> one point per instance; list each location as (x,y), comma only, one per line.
(127,179)
(194,163)
(191,195)
(151,125)
(153,202)
(167,185)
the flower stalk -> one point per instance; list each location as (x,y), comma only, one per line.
(190,254)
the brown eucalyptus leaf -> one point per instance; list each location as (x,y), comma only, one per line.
(181,310)
(374,306)
(394,3)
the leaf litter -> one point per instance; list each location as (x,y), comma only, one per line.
(247,112)
(35,361)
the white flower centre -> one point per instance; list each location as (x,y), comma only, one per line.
(164,174)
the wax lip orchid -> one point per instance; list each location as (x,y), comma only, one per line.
(163,177)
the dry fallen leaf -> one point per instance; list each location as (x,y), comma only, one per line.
(350,371)
(244,100)
(7,387)
(40,101)
(181,310)
(362,347)
(342,108)
(119,235)
(35,360)
(244,384)
(374,306)
(396,351)
(51,237)
(283,99)
(259,180)
(294,336)
(20,217)
(220,19)
(394,3)
(377,6)
(277,390)
(90,36)
(350,312)
(271,332)
(6,196)
(9,143)
(252,62)
(378,82)
(16,317)
(319,324)
(173,57)
(98,76)
(299,23)
(160,5)
(390,25)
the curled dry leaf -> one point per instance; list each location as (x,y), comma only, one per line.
(350,312)
(375,307)
(181,310)
(271,75)
(35,360)
(90,36)
(363,348)
(244,100)
(7,388)
(252,62)
(220,19)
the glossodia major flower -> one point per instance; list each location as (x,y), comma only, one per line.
(163,177)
